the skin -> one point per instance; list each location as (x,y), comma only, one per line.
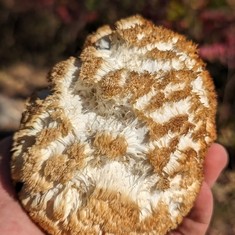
(14,221)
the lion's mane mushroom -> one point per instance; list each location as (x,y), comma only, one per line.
(117,147)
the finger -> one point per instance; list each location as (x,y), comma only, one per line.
(203,207)
(215,161)
(198,220)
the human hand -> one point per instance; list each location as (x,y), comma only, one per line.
(14,220)
(198,220)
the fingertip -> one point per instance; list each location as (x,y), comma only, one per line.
(215,161)
(219,150)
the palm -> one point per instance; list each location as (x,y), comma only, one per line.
(13,219)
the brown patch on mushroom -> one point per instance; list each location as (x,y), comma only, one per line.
(159,99)
(175,124)
(156,102)
(90,60)
(138,85)
(110,146)
(199,133)
(178,76)
(159,157)
(163,184)
(47,135)
(156,54)
(59,70)
(179,95)
(130,35)
(193,167)
(76,151)
(55,167)
(110,84)
(114,212)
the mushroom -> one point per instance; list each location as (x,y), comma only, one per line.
(117,145)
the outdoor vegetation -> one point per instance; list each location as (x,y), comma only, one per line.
(34,35)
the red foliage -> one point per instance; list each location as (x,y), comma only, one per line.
(213,29)
(214,51)
(219,33)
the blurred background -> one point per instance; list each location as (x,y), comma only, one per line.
(34,35)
